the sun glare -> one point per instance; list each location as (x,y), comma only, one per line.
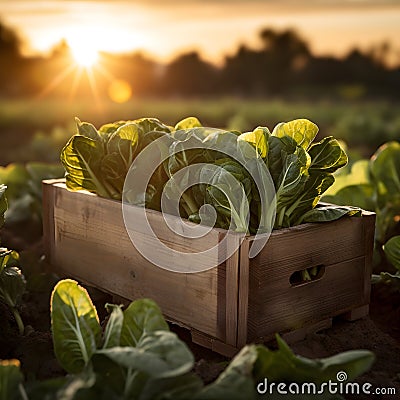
(84,54)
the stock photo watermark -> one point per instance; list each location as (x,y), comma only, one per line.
(339,387)
(185,176)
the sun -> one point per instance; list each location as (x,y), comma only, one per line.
(85,55)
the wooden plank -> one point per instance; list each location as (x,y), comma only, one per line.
(213,344)
(48,191)
(369,238)
(309,245)
(285,307)
(243,301)
(356,313)
(232,276)
(91,244)
(301,333)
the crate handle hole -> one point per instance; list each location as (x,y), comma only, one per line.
(307,275)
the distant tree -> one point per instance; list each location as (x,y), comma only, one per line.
(269,70)
(10,42)
(189,75)
(284,52)
(11,64)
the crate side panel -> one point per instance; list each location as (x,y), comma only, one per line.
(91,244)
(294,249)
(281,307)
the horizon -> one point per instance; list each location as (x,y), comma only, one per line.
(163,30)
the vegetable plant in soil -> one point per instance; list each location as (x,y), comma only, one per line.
(375,185)
(135,356)
(12,282)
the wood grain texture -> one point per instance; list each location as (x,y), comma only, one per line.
(92,245)
(243,301)
(232,289)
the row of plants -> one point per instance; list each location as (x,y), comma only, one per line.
(12,281)
(301,170)
(374,185)
(136,356)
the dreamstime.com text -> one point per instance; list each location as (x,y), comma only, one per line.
(340,387)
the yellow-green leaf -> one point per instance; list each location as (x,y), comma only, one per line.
(187,123)
(302,131)
(257,139)
(75,325)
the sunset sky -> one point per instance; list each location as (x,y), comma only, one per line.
(163,28)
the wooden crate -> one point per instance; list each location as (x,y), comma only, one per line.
(241,300)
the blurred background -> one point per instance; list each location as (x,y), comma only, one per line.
(233,64)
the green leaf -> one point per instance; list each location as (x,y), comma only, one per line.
(81,158)
(124,142)
(236,382)
(88,130)
(12,285)
(326,213)
(279,149)
(160,359)
(160,354)
(10,380)
(3,203)
(181,387)
(75,325)
(112,332)
(229,192)
(258,138)
(315,186)
(385,173)
(392,251)
(141,318)
(291,183)
(172,351)
(327,155)
(388,278)
(187,123)
(283,365)
(353,195)
(302,131)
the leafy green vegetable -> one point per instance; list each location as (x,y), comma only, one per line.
(302,131)
(24,193)
(374,185)
(3,204)
(12,283)
(153,363)
(324,213)
(236,382)
(283,365)
(392,251)
(98,161)
(112,332)
(140,319)
(10,380)
(75,325)
(327,155)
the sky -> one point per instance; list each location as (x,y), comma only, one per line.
(215,28)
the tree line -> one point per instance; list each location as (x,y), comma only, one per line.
(282,66)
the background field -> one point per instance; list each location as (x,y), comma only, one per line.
(33,130)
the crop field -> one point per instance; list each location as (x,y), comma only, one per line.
(35,130)
(35,134)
